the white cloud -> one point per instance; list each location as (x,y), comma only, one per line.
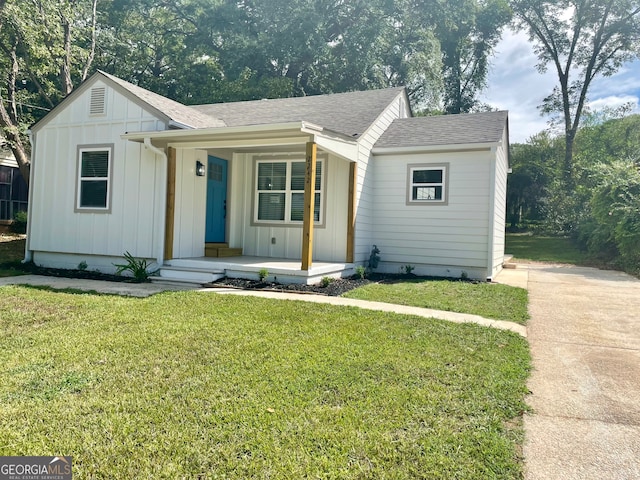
(514,84)
(614,101)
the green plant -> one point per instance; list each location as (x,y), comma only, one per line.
(82,266)
(361,272)
(19,224)
(139,267)
(326,281)
(263,273)
(464,275)
(407,269)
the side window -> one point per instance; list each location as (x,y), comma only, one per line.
(427,184)
(94,178)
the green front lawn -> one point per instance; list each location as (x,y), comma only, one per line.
(199,385)
(543,249)
(490,300)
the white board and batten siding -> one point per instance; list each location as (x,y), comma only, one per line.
(366,191)
(436,239)
(68,237)
(285,241)
(190,205)
(499,206)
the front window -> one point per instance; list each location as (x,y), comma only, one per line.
(280,191)
(427,184)
(94,177)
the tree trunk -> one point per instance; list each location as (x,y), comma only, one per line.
(65,72)
(570,136)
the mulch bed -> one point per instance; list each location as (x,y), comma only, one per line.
(334,288)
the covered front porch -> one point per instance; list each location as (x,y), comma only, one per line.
(203,270)
(312,239)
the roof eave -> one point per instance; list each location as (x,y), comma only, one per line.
(169,135)
(290,133)
(436,148)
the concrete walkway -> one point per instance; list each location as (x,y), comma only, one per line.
(584,334)
(146,289)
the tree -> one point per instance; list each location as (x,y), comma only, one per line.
(533,165)
(468,31)
(46,45)
(581,39)
(296,47)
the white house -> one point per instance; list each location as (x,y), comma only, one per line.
(303,187)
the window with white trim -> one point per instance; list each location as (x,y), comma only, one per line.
(427,184)
(94,178)
(280,191)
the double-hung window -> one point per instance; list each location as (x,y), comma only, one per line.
(94,178)
(427,184)
(280,191)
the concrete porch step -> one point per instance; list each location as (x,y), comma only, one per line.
(189,275)
(221,250)
(507,263)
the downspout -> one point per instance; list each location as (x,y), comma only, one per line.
(28,253)
(163,195)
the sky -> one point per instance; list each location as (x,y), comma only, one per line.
(514,84)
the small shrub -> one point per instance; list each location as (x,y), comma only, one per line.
(139,268)
(464,276)
(326,281)
(263,274)
(407,269)
(19,224)
(82,266)
(361,272)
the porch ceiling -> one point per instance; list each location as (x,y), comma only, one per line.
(286,135)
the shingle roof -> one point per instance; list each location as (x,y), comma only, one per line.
(346,113)
(485,127)
(173,110)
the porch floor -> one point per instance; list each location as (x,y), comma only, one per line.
(282,270)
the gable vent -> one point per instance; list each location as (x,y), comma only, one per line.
(97,105)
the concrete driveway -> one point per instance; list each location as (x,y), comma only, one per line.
(584,334)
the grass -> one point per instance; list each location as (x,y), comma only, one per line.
(544,249)
(197,385)
(500,302)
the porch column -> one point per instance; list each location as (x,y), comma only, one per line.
(309,202)
(169,223)
(351,211)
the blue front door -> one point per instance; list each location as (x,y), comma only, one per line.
(216,200)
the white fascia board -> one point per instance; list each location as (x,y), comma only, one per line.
(186,135)
(434,148)
(179,125)
(281,134)
(333,142)
(348,150)
(244,142)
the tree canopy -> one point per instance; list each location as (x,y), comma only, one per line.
(205,51)
(579,39)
